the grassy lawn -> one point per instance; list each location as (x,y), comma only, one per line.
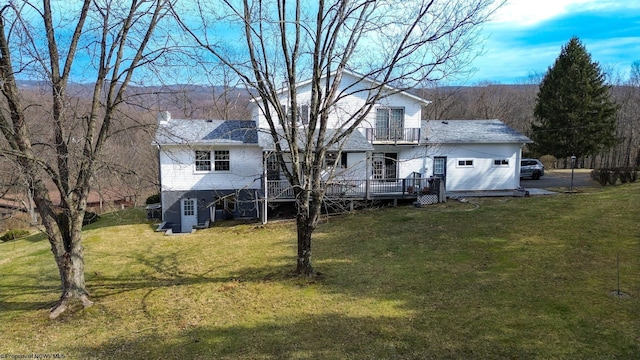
(502,278)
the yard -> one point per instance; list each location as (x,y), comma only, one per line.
(500,278)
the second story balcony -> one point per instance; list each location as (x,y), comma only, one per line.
(393,135)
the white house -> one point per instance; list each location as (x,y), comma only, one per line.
(212,169)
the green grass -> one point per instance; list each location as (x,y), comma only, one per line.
(506,278)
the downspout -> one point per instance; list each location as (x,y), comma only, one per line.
(518,162)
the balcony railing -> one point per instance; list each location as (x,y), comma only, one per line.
(359,189)
(393,135)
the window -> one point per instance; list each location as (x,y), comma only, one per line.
(220,161)
(331,159)
(226,203)
(203,160)
(273,167)
(389,123)
(189,207)
(384,166)
(501,162)
(302,115)
(465,163)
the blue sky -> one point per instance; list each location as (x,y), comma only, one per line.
(525,37)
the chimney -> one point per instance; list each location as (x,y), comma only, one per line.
(164,117)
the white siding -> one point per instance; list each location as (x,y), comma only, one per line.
(177,170)
(483,175)
(352,103)
(411,159)
(357,167)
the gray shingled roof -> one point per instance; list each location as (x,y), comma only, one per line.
(207,132)
(470,132)
(354,142)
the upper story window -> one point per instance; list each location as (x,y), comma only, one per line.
(302,115)
(390,118)
(203,160)
(219,162)
(389,123)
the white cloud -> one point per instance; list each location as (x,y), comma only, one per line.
(528,13)
(525,12)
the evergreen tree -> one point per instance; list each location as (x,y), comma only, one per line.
(574,113)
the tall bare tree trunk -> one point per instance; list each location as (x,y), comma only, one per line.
(308,212)
(70,261)
(305,230)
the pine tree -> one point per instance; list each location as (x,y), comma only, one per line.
(574,113)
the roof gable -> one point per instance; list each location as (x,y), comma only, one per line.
(350,77)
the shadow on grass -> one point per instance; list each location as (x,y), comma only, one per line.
(313,336)
(118,218)
(166,271)
(34,238)
(423,286)
(31,293)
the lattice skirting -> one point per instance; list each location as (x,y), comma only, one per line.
(428,199)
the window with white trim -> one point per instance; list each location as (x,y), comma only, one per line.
(302,115)
(465,163)
(501,162)
(221,160)
(205,163)
(203,160)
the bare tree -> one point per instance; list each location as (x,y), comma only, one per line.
(100,42)
(394,45)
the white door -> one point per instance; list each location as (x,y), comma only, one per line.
(189,215)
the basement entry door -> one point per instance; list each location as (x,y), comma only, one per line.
(188,215)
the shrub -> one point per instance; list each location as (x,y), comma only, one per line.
(153,199)
(614,174)
(14,234)
(549,161)
(611,176)
(625,175)
(90,217)
(601,176)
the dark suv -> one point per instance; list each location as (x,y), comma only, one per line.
(531,169)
